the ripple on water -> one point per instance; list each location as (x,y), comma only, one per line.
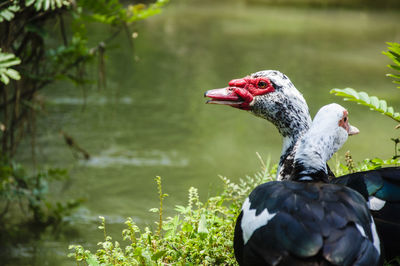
(118,156)
(90,100)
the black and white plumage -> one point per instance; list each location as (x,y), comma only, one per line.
(382,189)
(308,222)
(285,107)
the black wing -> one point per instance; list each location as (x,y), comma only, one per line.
(296,223)
(381,186)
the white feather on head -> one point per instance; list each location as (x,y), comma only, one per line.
(325,137)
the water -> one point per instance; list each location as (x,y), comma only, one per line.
(151,120)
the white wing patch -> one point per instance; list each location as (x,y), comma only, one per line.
(377,243)
(375,204)
(361,229)
(251,222)
(375,236)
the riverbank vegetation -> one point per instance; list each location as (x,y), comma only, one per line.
(199,233)
(43,42)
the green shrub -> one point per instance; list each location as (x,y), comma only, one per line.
(199,233)
(28,193)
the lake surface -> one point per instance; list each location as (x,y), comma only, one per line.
(151,119)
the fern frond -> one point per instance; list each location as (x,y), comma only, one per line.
(47,4)
(394,55)
(372,102)
(6,73)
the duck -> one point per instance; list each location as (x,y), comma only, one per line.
(306,220)
(270,95)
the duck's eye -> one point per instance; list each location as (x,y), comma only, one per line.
(345,119)
(262,84)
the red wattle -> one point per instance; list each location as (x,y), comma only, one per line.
(244,94)
(237,83)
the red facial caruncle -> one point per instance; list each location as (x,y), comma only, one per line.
(240,92)
(344,123)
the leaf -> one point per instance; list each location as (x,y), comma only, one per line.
(8,13)
(374,101)
(393,76)
(394,67)
(394,55)
(46,5)
(6,73)
(29,2)
(202,225)
(158,255)
(186,227)
(382,105)
(363,98)
(13,74)
(91,260)
(390,110)
(4,78)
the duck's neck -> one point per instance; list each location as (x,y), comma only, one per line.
(312,153)
(289,147)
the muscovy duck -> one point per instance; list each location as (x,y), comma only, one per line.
(307,221)
(271,95)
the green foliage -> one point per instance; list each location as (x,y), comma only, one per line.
(6,73)
(113,12)
(367,164)
(17,187)
(42,55)
(372,102)
(68,55)
(8,13)
(200,233)
(394,55)
(47,4)
(161,200)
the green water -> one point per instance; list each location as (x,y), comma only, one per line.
(151,120)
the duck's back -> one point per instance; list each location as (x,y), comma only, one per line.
(305,223)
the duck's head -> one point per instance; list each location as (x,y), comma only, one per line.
(268,94)
(327,134)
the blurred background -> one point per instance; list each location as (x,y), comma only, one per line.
(151,118)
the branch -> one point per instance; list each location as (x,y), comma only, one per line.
(372,102)
(62,28)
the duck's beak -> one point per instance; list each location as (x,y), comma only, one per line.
(353,130)
(224,96)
